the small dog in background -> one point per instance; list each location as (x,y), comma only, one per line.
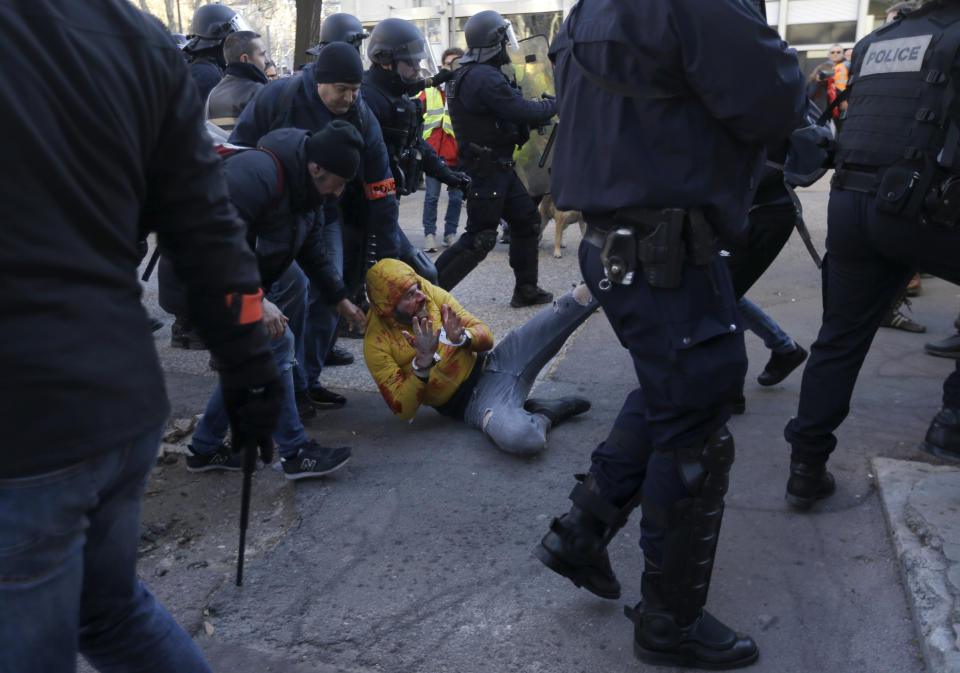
(563,219)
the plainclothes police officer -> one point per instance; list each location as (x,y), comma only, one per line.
(395,50)
(662,160)
(490,119)
(893,208)
(246,58)
(204,49)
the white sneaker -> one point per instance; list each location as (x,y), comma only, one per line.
(430,243)
(449,240)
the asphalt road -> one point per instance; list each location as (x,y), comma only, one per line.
(416,557)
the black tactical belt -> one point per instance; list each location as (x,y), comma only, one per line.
(856,181)
(601,224)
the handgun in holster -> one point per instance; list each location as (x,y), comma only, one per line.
(660,246)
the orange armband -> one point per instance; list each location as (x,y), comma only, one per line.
(246,308)
(378,190)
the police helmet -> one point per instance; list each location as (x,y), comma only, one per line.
(211,24)
(395,40)
(487,29)
(340,27)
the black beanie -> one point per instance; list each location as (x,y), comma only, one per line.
(336,148)
(338,62)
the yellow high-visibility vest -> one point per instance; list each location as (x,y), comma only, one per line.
(436,115)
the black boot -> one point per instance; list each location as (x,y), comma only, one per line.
(943,435)
(557,411)
(808,483)
(576,546)
(662,637)
(529,294)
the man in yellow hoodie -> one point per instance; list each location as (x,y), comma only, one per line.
(423,348)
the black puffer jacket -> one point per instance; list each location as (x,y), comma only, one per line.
(231,95)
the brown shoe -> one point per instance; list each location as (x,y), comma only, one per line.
(914,287)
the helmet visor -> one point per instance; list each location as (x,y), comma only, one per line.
(511,37)
(236,24)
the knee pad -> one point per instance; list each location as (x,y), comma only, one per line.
(420,263)
(482,242)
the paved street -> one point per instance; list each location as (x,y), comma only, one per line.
(416,557)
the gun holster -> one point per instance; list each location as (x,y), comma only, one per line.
(660,242)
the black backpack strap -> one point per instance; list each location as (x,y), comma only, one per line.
(285,101)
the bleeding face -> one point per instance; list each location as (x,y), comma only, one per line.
(412,304)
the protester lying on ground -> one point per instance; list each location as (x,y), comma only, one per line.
(423,348)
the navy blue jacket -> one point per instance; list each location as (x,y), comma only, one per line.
(485,91)
(207,74)
(384,109)
(283,225)
(740,89)
(112,149)
(308,112)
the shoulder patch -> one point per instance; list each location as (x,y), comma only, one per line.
(901,55)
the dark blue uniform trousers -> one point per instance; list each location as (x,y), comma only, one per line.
(689,358)
(869,258)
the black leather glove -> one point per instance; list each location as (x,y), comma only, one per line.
(253,415)
(441,77)
(456,180)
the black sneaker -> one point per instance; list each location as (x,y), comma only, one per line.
(322,398)
(338,357)
(529,295)
(224,458)
(897,320)
(314,460)
(305,408)
(780,365)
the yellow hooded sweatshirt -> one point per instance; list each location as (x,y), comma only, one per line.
(388,354)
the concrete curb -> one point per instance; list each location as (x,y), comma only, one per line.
(921,503)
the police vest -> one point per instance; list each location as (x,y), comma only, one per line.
(901,90)
(401,121)
(481,128)
(436,116)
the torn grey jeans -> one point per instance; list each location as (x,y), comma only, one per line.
(496,403)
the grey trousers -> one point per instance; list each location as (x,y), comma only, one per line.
(496,403)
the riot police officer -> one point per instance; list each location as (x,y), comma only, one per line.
(395,50)
(663,162)
(204,49)
(893,208)
(490,119)
(341,27)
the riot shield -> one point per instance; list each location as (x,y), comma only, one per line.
(533,71)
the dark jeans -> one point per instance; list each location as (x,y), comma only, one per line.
(689,358)
(68,581)
(869,258)
(768,230)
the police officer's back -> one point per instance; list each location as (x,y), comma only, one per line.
(490,119)
(660,145)
(893,208)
